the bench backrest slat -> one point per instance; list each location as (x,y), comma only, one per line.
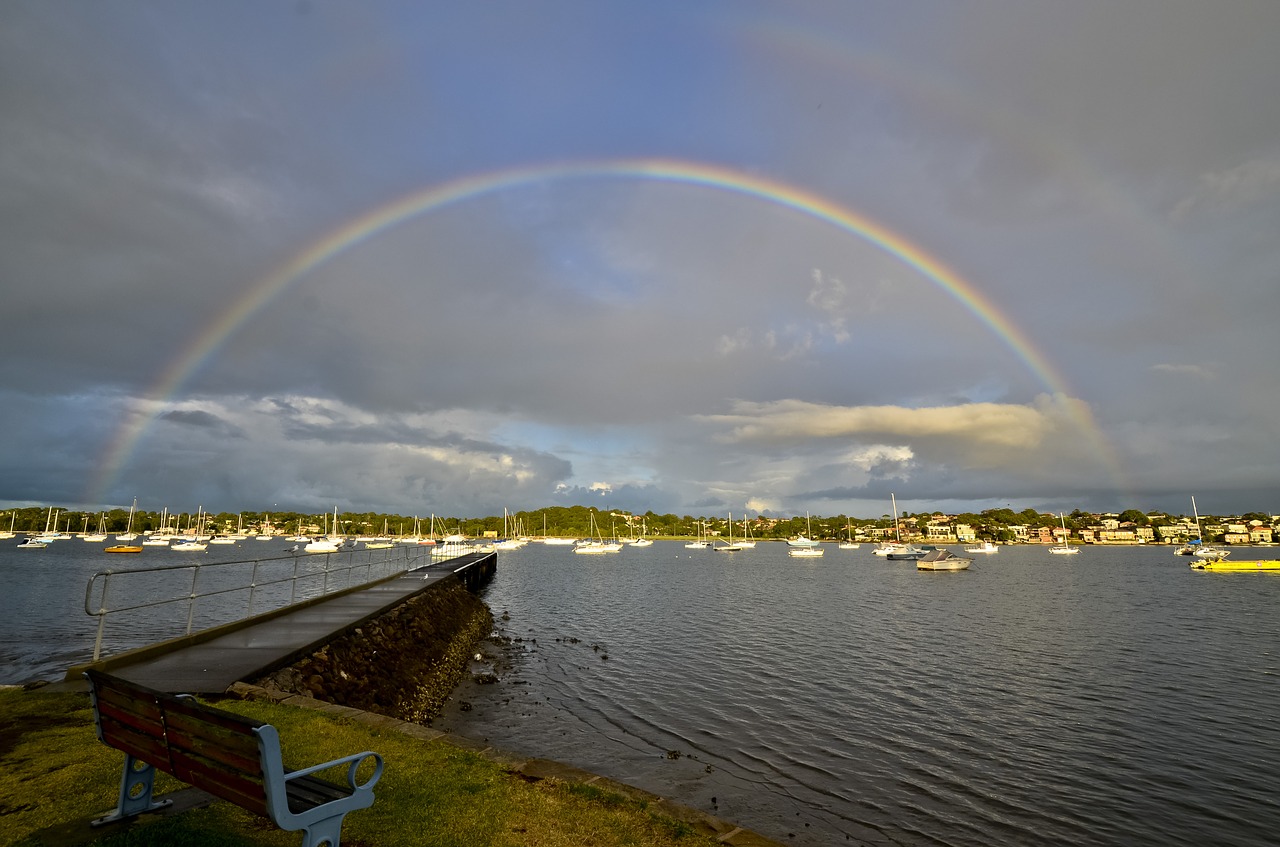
(220,781)
(130,719)
(217,751)
(148,747)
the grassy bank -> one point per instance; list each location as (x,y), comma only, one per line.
(55,775)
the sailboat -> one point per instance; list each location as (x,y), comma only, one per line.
(884,548)
(802,541)
(508,542)
(730,547)
(264,530)
(700,543)
(595,544)
(129,534)
(1065,548)
(191,543)
(100,535)
(160,537)
(896,549)
(1202,551)
(808,548)
(747,541)
(9,533)
(643,540)
(849,543)
(328,544)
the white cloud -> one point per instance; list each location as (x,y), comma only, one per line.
(1008,425)
(1224,190)
(1196,371)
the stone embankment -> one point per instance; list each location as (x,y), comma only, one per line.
(403,664)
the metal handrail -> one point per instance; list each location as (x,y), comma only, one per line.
(388,561)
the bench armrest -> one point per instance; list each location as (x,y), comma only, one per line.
(354,761)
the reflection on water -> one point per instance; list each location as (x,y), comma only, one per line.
(1118,697)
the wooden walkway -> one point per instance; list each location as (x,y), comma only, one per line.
(256,646)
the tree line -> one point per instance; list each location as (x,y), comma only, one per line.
(567,521)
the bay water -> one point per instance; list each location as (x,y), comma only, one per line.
(1113,697)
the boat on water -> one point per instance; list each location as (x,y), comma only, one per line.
(806,540)
(896,549)
(982,547)
(31,542)
(848,543)
(941,559)
(700,543)
(1199,550)
(1223,564)
(129,534)
(809,550)
(9,533)
(595,544)
(1065,548)
(730,547)
(908,553)
(123,548)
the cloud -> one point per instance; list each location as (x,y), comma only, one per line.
(1004,425)
(1195,371)
(1218,192)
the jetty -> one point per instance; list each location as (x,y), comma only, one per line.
(213,660)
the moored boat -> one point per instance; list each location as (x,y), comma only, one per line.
(1065,548)
(1270,565)
(941,559)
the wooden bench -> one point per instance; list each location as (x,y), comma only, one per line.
(229,756)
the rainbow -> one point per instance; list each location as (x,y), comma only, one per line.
(434,198)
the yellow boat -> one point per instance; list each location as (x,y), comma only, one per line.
(123,548)
(1272,565)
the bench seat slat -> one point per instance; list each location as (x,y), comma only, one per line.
(307,792)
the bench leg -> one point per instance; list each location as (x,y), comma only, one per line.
(136,784)
(324,833)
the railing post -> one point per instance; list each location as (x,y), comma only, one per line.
(253,586)
(325,590)
(293,585)
(102,615)
(191,600)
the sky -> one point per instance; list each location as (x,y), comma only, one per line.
(696,258)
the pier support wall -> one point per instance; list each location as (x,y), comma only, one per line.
(405,662)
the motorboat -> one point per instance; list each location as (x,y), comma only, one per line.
(1269,565)
(941,559)
(982,547)
(801,542)
(32,543)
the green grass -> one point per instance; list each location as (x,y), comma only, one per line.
(55,775)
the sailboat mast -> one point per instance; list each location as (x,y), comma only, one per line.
(896,532)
